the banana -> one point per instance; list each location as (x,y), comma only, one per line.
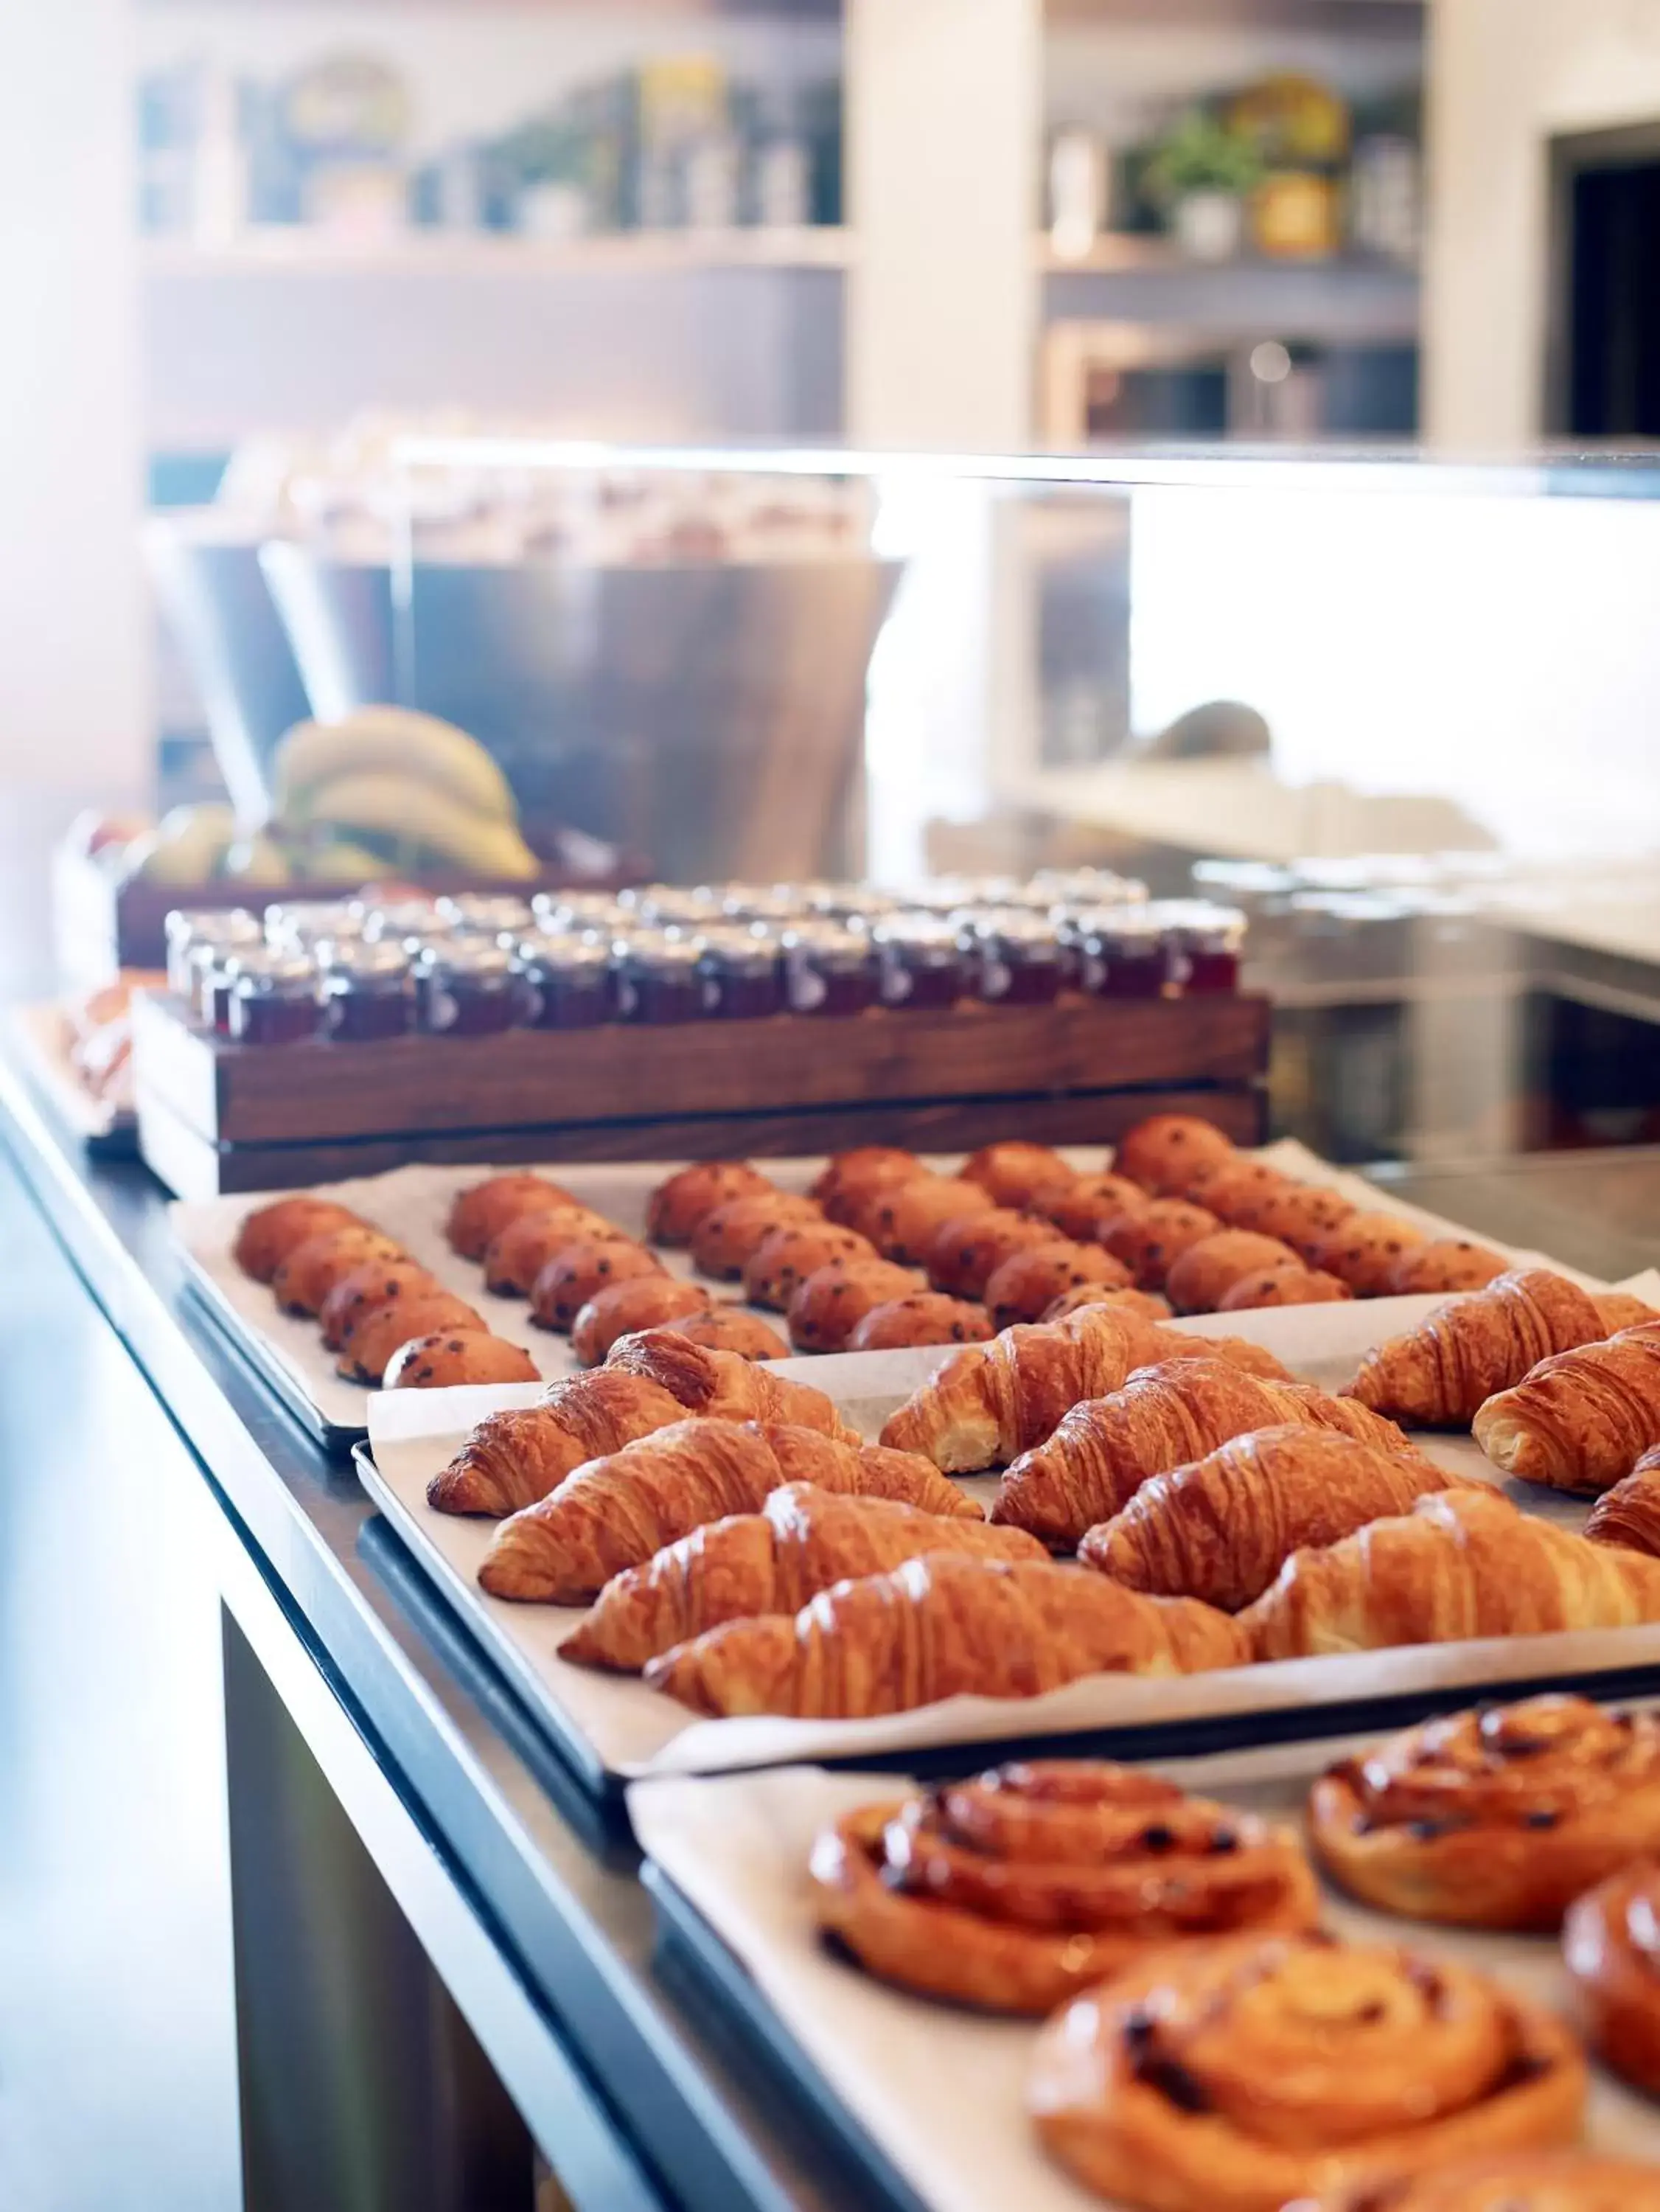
(393,739)
(186,846)
(412,813)
(339,861)
(257,862)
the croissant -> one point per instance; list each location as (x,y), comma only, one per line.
(988,1403)
(1618,1310)
(1629,1514)
(1436,1375)
(942,1627)
(512,1459)
(1465,1563)
(1106,1449)
(614,1511)
(723,1385)
(802,1540)
(1582,1418)
(1222,1527)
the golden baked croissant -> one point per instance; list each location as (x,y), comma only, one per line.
(614,1511)
(1222,1527)
(1629,1514)
(1525,2181)
(804,1538)
(1254,2072)
(988,1403)
(1618,1310)
(722,1385)
(1016,1890)
(942,1627)
(513,1458)
(1497,1817)
(1437,1375)
(1580,1419)
(1464,1563)
(1106,1449)
(1611,1947)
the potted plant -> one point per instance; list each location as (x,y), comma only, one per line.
(1200,174)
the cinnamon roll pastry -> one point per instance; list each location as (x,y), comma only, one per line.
(1526,2181)
(1222,1527)
(940,1627)
(269,1233)
(1364,1251)
(514,1258)
(1206,1272)
(311,1270)
(1299,1214)
(1440,1374)
(1580,1419)
(726,1239)
(1016,1890)
(963,1256)
(920,1318)
(1148,1304)
(1165,1415)
(513,1458)
(1286,1283)
(579,1271)
(1245,2073)
(1629,1514)
(375,1283)
(616,1511)
(483,1210)
(803,1540)
(729,1328)
(1446,1263)
(450,1356)
(723,1386)
(835,1299)
(1462,1563)
(1013,1172)
(377,1332)
(851,1179)
(1165,1151)
(1028,1281)
(1611,1947)
(644,1300)
(1150,1240)
(783,1260)
(1083,1205)
(904,1218)
(679,1203)
(1497,1818)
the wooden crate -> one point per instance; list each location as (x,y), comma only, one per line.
(215,1116)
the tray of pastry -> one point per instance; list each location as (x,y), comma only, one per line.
(78,1053)
(1401,1974)
(948,1249)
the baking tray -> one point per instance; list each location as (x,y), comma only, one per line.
(42,1036)
(411,1203)
(923,2099)
(613,1729)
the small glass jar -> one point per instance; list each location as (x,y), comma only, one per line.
(747,902)
(273,998)
(479,915)
(1086,887)
(922,961)
(1018,958)
(565,981)
(1203,946)
(658,977)
(368,990)
(298,925)
(1121,951)
(465,987)
(410,922)
(190,930)
(829,969)
(671,906)
(742,972)
(956,894)
(857,904)
(602,913)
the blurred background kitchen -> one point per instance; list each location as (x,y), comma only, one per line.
(319,310)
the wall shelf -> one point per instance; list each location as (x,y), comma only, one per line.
(295,250)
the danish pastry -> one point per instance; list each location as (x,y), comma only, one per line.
(579,1271)
(1028,1281)
(380,1331)
(920,1318)
(723,1386)
(963,1256)
(1364,1250)
(1285,1283)
(1150,1240)
(1246,2073)
(904,1218)
(728,1238)
(729,1328)
(676,1205)
(784,1260)
(1014,1172)
(1580,1419)
(374,1283)
(1166,1150)
(438,1362)
(1445,1263)
(1497,1817)
(1016,1890)
(1440,1374)
(269,1233)
(1611,1946)
(833,1300)
(1079,1207)
(311,1271)
(513,1260)
(642,1301)
(1207,1271)
(483,1210)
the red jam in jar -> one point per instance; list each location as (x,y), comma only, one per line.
(671,906)
(829,969)
(273,999)
(742,974)
(470,914)
(922,961)
(1203,945)
(566,981)
(203,930)
(301,925)
(1017,955)
(368,990)
(1121,950)
(465,989)
(658,977)
(598,913)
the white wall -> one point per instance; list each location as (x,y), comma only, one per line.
(1504,75)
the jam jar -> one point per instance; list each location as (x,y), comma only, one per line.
(565,981)
(671,906)
(742,973)
(273,998)
(1121,950)
(1203,945)
(658,976)
(922,961)
(465,987)
(368,989)
(601,912)
(193,930)
(412,921)
(747,902)
(297,925)
(1017,955)
(829,969)
(855,904)
(476,914)
(1081,887)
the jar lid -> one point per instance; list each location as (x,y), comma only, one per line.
(1116,923)
(484,914)
(1008,925)
(660,949)
(1199,918)
(302,921)
(826,941)
(1086,887)
(566,949)
(280,973)
(478,957)
(367,960)
(558,911)
(224,924)
(406,918)
(921,933)
(748,904)
(664,905)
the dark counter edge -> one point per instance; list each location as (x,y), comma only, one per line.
(635,2079)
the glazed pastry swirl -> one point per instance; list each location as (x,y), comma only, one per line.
(1240,2075)
(1497,1818)
(1611,1942)
(1014,1890)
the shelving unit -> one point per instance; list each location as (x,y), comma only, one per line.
(297,251)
